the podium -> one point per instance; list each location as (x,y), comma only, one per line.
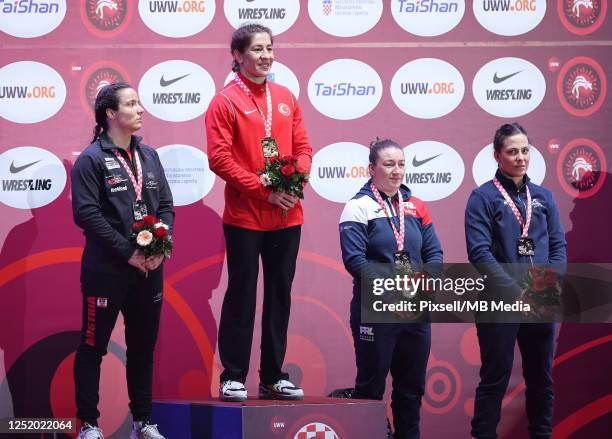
(312,418)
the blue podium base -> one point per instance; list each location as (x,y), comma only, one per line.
(312,418)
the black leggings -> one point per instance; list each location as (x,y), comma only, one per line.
(278,250)
(140,300)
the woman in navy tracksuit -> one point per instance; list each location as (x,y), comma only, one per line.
(115,181)
(367,237)
(494,236)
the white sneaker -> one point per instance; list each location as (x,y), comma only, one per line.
(144,430)
(232,391)
(88,431)
(282,389)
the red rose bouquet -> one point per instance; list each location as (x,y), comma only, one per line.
(151,236)
(283,174)
(542,290)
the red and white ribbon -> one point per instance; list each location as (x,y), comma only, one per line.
(136,182)
(399,236)
(267,118)
(515,210)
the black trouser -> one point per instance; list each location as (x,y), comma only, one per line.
(140,300)
(536,343)
(402,349)
(278,250)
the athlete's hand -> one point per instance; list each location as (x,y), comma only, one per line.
(282,200)
(152,262)
(138,260)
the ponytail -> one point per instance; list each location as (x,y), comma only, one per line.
(97,130)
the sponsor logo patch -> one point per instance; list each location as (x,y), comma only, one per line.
(111,163)
(101,302)
(366,333)
(115,179)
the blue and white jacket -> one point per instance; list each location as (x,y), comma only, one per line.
(366,235)
(492,230)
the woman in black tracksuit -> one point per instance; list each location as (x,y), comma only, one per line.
(115,181)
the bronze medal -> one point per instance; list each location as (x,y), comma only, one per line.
(525,246)
(401,258)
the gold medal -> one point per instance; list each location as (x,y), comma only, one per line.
(270,147)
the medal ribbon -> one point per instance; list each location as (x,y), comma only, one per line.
(137,183)
(399,236)
(515,210)
(267,119)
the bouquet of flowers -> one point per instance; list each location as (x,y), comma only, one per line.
(542,290)
(283,174)
(151,236)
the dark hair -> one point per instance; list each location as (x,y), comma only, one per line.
(106,98)
(241,38)
(505,131)
(378,145)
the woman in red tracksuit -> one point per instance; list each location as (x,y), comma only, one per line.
(249,119)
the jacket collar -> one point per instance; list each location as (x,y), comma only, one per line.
(107,144)
(509,184)
(365,189)
(256,89)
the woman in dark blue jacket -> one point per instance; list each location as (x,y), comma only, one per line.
(372,232)
(510,220)
(115,181)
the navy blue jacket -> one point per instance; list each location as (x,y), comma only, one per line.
(492,230)
(102,197)
(366,235)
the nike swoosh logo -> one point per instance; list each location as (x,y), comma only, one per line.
(249,111)
(165,83)
(15,169)
(498,79)
(416,163)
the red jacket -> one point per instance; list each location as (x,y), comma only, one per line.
(234,129)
